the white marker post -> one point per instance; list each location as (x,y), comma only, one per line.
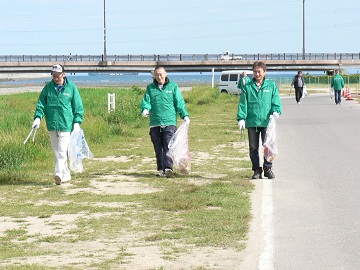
(111,102)
(212,77)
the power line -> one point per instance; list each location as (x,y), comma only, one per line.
(187,24)
(197,37)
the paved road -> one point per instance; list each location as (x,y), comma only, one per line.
(316,193)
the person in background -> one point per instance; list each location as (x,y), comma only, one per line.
(259,101)
(244,79)
(298,83)
(337,82)
(163,101)
(62,106)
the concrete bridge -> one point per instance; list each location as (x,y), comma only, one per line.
(177,62)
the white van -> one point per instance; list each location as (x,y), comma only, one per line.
(229,81)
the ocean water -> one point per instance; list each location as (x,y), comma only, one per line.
(141,79)
(117,79)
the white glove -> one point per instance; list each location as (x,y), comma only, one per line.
(275,115)
(76,127)
(145,113)
(187,119)
(36,123)
(241,124)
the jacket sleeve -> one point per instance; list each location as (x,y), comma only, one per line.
(293,81)
(41,103)
(239,83)
(242,107)
(146,101)
(77,106)
(276,105)
(179,101)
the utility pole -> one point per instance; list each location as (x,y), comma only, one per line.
(104,30)
(303,49)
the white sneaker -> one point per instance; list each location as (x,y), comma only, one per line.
(160,173)
(299,103)
(168,173)
(66,178)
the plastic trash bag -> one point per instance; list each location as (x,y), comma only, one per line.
(305,93)
(331,92)
(270,150)
(78,150)
(179,149)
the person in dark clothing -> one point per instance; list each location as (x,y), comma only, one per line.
(298,83)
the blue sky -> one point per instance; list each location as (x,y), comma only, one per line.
(172,27)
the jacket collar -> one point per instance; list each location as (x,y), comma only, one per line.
(166,81)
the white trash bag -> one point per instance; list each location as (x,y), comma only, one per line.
(179,149)
(78,150)
(305,93)
(270,149)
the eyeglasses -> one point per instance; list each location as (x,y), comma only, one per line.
(57,76)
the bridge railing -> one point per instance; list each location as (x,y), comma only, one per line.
(178,57)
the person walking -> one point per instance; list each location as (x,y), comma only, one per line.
(337,83)
(298,83)
(62,106)
(244,79)
(259,101)
(162,102)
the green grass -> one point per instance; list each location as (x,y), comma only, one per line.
(208,208)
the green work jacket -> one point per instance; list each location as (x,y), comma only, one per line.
(337,82)
(243,82)
(256,106)
(164,104)
(61,109)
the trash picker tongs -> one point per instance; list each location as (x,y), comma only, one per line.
(242,135)
(33,139)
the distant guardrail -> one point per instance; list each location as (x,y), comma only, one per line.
(178,57)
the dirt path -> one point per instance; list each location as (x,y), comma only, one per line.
(138,254)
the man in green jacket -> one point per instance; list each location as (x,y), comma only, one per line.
(244,79)
(163,101)
(259,101)
(337,82)
(61,104)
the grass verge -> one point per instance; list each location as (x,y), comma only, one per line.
(107,216)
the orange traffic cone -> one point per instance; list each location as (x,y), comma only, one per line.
(349,94)
(344,93)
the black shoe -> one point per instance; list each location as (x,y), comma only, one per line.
(269,173)
(257,174)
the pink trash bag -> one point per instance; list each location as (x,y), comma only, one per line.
(179,149)
(270,150)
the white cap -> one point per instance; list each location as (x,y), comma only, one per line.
(57,69)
